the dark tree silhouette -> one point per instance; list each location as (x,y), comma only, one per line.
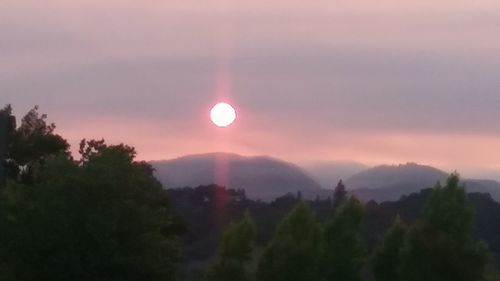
(235,251)
(293,253)
(4,117)
(342,249)
(387,259)
(442,247)
(339,194)
(30,145)
(103,218)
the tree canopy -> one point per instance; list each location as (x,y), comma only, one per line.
(30,145)
(387,259)
(292,254)
(342,250)
(442,246)
(339,194)
(104,217)
(235,251)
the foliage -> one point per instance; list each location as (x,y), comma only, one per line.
(4,120)
(293,253)
(386,261)
(448,210)
(339,194)
(103,218)
(31,144)
(442,246)
(201,240)
(342,250)
(236,248)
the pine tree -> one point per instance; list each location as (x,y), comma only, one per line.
(342,250)
(236,248)
(442,247)
(339,194)
(386,261)
(293,253)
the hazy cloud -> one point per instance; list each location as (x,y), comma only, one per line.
(301,73)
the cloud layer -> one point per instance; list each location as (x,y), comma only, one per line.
(391,81)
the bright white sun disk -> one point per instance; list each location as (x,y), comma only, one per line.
(223,114)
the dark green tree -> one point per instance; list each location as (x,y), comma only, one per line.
(293,253)
(4,117)
(339,195)
(387,259)
(342,248)
(30,145)
(442,247)
(235,252)
(103,218)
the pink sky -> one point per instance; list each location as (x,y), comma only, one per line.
(375,82)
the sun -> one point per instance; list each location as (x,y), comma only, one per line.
(223,114)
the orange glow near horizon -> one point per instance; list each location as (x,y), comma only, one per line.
(465,153)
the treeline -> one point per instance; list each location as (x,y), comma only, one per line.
(103,216)
(441,245)
(199,210)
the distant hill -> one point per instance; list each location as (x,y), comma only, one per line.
(328,174)
(262,177)
(385,176)
(484,186)
(266,178)
(389,183)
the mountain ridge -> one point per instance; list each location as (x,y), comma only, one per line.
(329,173)
(262,177)
(390,182)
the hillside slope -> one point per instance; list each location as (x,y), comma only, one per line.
(389,183)
(262,177)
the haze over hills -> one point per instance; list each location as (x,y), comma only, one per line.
(390,182)
(383,176)
(261,177)
(267,178)
(328,174)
